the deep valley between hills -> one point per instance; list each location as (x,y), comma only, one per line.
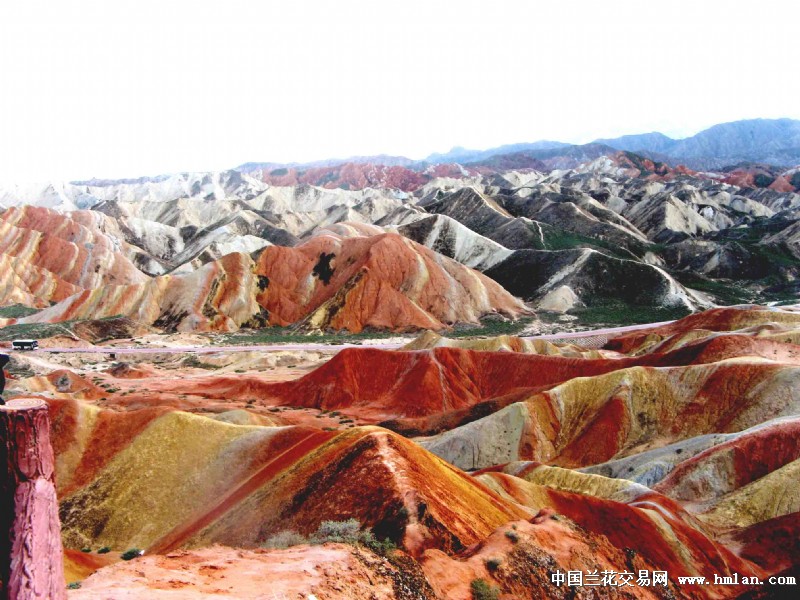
(401,419)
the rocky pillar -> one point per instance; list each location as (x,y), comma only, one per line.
(31,559)
(4,358)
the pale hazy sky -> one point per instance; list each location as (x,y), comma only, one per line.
(117,88)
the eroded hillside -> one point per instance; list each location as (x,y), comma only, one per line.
(671,449)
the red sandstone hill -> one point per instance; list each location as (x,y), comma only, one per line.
(681,458)
(162,480)
(732,465)
(756,175)
(369,174)
(47,256)
(348,176)
(208,481)
(717,319)
(700,352)
(569,411)
(634,165)
(384,281)
(380,384)
(219,296)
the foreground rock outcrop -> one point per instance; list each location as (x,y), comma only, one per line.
(30,543)
(335,571)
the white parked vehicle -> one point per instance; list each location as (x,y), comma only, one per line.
(24,345)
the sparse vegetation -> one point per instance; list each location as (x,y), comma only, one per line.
(481,590)
(40,331)
(493,564)
(723,292)
(338,531)
(619,313)
(35,331)
(762,181)
(513,536)
(383,547)
(16,311)
(75,585)
(19,370)
(289,335)
(343,532)
(131,554)
(104,550)
(490,327)
(284,539)
(560,239)
(192,361)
